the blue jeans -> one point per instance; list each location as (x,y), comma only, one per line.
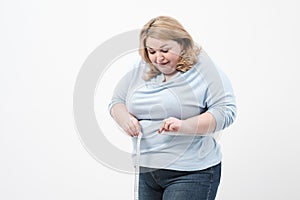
(162,184)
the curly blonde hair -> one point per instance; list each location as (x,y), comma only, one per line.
(168,28)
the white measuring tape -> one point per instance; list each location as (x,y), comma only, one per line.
(137,159)
(137,163)
(137,166)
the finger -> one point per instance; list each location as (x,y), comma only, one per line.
(131,129)
(136,127)
(160,130)
(134,131)
(162,127)
(168,125)
(128,131)
(173,127)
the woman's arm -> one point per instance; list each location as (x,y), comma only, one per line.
(125,119)
(219,101)
(200,124)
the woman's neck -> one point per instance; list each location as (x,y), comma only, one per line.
(168,76)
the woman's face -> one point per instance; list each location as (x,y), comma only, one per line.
(163,54)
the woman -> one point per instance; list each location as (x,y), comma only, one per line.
(177,98)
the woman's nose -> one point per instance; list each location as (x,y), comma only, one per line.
(159,57)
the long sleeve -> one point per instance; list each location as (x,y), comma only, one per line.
(122,88)
(220,98)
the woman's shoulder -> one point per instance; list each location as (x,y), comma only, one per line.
(204,62)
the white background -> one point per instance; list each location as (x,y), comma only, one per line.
(44,43)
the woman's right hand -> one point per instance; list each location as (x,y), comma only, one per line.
(126,120)
(131,126)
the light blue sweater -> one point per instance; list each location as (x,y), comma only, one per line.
(204,88)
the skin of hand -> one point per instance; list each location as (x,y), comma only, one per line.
(126,120)
(200,124)
(170,124)
(134,127)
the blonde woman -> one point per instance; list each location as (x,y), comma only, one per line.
(178,99)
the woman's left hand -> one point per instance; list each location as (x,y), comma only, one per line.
(170,124)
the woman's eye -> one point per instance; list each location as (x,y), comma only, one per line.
(151,52)
(163,51)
